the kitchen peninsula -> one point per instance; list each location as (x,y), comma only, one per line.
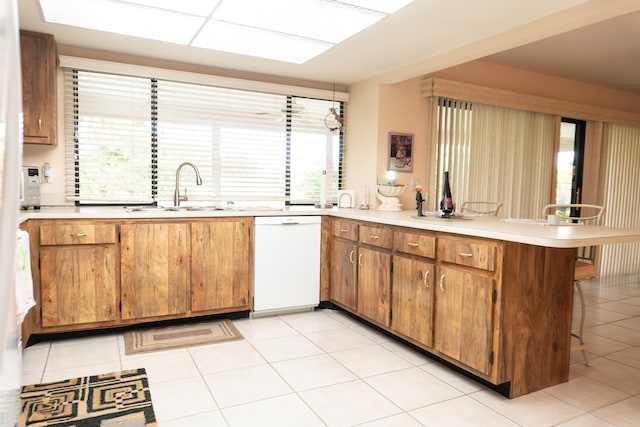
(489,296)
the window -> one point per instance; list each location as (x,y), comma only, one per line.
(126,136)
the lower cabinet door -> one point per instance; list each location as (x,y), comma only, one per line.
(220,264)
(344,273)
(374,285)
(155,264)
(412,298)
(464,317)
(78,284)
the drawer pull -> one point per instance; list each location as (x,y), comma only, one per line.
(78,235)
(344,230)
(425,280)
(465,254)
(415,245)
(351,257)
(374,237)
(360,259)
(442,282)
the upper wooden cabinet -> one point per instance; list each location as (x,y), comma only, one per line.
(38,56)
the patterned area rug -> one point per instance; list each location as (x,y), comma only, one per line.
(117,399)
(178,336)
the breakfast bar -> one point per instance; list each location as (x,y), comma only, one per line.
(490,296)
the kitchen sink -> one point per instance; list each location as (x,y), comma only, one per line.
(153,208)
(199,208)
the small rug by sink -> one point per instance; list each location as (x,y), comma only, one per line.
(178,336)
(116,399)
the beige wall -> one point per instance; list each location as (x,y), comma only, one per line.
(374,111)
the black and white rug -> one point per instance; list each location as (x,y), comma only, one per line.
(115,399)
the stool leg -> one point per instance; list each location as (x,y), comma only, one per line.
(580,334)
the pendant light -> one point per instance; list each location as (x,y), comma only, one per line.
(333,121)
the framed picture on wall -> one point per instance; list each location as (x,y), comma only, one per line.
(400,152)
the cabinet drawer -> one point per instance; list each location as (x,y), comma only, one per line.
(472,253)
(345,229)
(377,236)
(77,234)
(415,243)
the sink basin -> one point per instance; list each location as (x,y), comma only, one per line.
(204,208)
(199,208)
(152,208)
(253,208)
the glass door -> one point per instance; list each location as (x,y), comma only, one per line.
(570,163)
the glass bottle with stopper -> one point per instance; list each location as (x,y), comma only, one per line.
(446,202)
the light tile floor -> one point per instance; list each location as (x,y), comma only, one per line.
(324,368)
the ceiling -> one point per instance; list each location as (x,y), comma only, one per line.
(596,41)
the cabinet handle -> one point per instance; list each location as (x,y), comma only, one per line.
(360,259)
(371,236)
(442,282)
(415,245)
(343,230)
(465,254)
(39,122)
(78,235)
(351,257)
(425,280)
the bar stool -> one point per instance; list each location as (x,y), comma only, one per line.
(585,257)
(481,208)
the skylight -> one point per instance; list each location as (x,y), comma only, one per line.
(283,30)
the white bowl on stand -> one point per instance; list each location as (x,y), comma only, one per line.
(387,194)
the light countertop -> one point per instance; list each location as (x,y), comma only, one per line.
(529,232)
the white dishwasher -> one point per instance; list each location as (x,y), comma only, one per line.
(287,264)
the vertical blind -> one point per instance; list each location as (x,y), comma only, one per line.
(496,154)
(619,188)
(127,135)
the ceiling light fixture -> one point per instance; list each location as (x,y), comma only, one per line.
(283,30)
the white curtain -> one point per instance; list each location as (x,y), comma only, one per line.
(619,189)
(496,154)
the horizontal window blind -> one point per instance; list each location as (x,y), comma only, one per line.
(126,136)
(111,116)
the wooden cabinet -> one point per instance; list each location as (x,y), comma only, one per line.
(38,56)
(344,270)
(155,268)
(413,286)
(221,267)
(465,301)
(361,269)
(344,273)
(440,292)
(78,276)
(374,273)
(464,317)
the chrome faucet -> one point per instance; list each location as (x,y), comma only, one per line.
(177,198)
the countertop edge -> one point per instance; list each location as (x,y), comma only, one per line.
(483,227)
